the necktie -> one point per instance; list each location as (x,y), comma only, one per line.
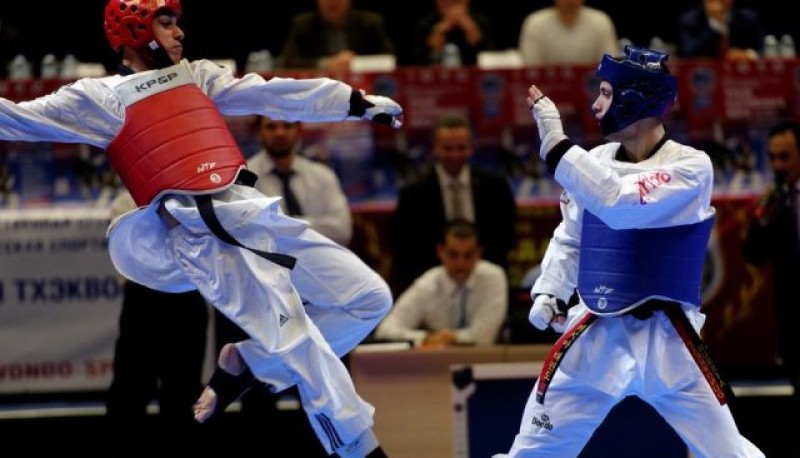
(459,310)
(456,200)
(292,204)
(723,46)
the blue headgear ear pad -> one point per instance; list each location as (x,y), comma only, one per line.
(629,106)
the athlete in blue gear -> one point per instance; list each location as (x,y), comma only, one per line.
(628,257)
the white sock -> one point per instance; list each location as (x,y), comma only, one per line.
(359,448)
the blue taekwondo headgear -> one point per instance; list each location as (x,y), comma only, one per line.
(642,85)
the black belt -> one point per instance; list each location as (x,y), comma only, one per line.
(694,344)
(650,307)
(699,351)
(206,209)
(246,178)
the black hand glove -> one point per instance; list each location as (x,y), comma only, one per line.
(376,108)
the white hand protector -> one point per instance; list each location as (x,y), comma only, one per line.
(545,312)
(375,108)
(385,111)
(548,120)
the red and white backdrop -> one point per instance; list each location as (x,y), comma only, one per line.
(60,297)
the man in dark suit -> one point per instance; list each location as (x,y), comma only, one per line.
(718,28)
(773,238)
(329,37)
(452,22)
(450,189)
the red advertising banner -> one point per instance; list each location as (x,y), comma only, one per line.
(427,93)
(572,88)
(755,91)
(699,95)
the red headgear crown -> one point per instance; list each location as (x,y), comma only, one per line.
(130,22)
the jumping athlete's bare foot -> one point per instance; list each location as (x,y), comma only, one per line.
(232,378)
(205,405)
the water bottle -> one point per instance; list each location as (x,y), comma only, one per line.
(451,56)
(69,67)
(268,64)
(252,62)
(622,43)
(49,68)
(657,44)
(786,48)
(19,68)
(259,62)
(771,47)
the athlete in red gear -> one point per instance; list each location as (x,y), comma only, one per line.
(303,299)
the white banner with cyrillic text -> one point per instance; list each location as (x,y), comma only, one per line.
(60,300)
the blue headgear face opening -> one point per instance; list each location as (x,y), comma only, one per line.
(642,87)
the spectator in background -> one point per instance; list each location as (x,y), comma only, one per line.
(10,39)
(9,197)
(158,355)
(452,22)
(309,191)
(718,29)
(462,301)
(450,189)
(567,33)
(329,37)
(773,238)
(316,193)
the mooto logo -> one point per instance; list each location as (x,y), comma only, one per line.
(215,178)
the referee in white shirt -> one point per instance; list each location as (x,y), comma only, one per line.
(314,186)
(463,301)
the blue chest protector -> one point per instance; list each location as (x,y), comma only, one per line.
(621,269)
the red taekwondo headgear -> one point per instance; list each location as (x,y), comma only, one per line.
(130,22)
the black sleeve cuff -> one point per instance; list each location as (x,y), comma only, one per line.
(554,156)
(358,105)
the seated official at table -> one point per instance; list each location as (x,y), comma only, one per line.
(460,302)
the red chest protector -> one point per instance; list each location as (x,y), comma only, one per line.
(173,139)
